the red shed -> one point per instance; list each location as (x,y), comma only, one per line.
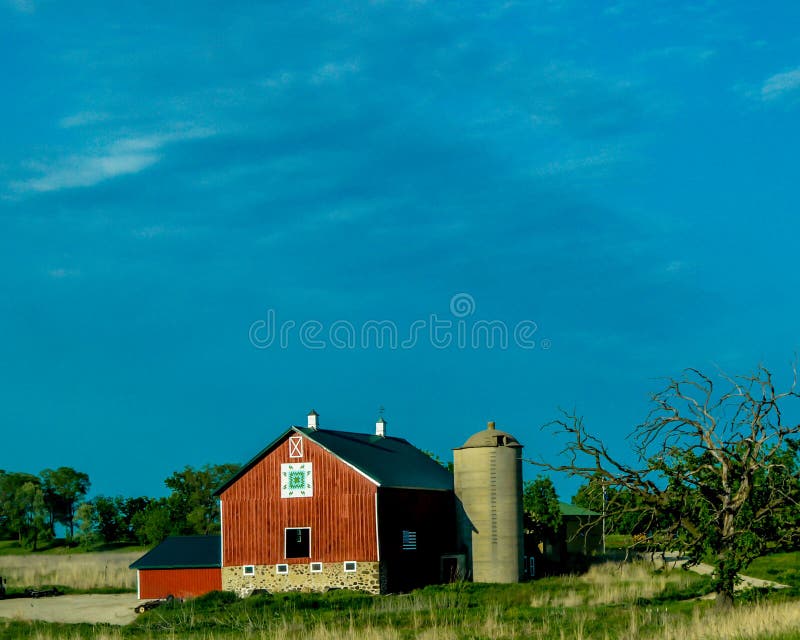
(181,566)
(322,508)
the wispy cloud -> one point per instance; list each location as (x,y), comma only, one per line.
(61,273)
(123,157)
(23,6)
(781,84)
(86,171)
(334,71)
(81,119)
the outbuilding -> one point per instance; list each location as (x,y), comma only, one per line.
(181,566)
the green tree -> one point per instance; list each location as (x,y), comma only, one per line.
(154,523)
(192,505)
(24,513)
(86,522)
(63,489)
(129,508)
(714,474)
(541,509)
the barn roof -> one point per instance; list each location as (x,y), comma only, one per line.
(389,462)
(182,552)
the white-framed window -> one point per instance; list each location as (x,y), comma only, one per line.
(248,570)
(297,542)
(316,567)
(296,447)
(282,569)
(350,566)
(409,540)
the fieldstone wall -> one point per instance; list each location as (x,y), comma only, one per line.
(367,577)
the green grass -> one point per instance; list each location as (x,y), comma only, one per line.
(618,541)
(779,567)
(609,602)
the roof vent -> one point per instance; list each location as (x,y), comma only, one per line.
(313,420)
(490,425)
(380,427)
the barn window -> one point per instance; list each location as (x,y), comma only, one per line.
(298,543)
(409,540)
(296,447)
(282,569)
(349,567)
(248,570)
(316,567)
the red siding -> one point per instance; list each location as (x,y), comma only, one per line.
(341,513)
(181,583)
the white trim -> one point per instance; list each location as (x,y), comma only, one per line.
(353,570)
(252,571)
(138,586)
(221,537)
(285,529)
(354,468)
(285,571)
(311,566)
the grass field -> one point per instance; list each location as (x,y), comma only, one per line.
(75,572)
(610,602)
(779,567)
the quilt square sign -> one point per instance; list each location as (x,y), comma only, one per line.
(296,480)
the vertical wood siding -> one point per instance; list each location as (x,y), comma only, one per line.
(181,583)
(341,513)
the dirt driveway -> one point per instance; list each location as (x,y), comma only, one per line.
(111,608)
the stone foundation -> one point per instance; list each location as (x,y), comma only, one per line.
(367,577)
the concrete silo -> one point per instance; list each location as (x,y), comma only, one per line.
(488,487)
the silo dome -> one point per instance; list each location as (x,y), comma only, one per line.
(488,487)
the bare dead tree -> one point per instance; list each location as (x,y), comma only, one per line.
(715,475)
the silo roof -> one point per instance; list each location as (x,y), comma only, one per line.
(491,437)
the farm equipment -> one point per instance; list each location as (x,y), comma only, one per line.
(42,593)
(152,604)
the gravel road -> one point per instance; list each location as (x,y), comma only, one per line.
(111,608)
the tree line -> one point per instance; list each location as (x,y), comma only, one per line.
(32,505)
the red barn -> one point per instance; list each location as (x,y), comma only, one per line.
(181,566)
(320,509)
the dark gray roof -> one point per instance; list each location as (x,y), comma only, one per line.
(390,462)
(182,552)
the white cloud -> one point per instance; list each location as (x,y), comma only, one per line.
(780,84)
(123,157)
(87,171)
(331,72)
(81,119)
(599,160)
(61,273)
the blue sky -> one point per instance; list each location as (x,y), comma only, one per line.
(622,174)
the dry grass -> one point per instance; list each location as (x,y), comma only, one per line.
(742,623)
(612,583)
(82,571)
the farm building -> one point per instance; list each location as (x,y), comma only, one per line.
(181,566)
(321,508)
(579,536)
